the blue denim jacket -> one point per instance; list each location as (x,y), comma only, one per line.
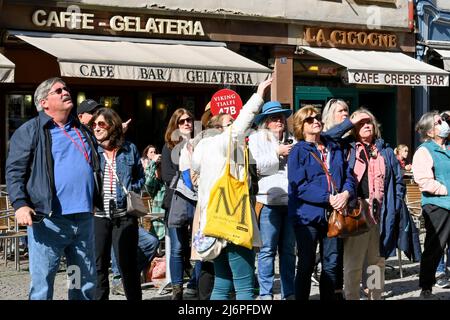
(129,170)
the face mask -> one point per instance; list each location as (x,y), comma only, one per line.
(444,129)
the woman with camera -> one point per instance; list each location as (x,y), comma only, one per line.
(431,168)
(120,164)
(270,147)
(316,165)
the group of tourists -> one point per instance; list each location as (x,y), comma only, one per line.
(69,175)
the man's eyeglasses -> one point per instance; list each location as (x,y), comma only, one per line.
(100,124)
(58,91)
(183,121)
(310,120)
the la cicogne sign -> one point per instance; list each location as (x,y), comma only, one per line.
(350,38)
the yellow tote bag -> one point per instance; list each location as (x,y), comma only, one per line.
(228,215)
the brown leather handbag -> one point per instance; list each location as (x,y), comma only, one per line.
(345,223)
(348,223)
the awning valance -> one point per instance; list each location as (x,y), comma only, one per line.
(150,61)
(383,68)
(445,54)
(6,69)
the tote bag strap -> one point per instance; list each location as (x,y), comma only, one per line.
(115,174)
(228,161)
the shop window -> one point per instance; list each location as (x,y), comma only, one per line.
(110,102)
(19,109)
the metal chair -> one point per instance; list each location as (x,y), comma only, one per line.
(10,235)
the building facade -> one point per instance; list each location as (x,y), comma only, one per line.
(433,47)
(145,59)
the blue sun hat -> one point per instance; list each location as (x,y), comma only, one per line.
(269,108)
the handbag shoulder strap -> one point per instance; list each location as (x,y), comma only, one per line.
(325,169)
(115,173)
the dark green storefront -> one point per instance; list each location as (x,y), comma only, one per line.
(382,102)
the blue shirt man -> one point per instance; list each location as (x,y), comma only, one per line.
(52,180)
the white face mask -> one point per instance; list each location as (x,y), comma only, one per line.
(444,129)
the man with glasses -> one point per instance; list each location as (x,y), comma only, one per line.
(52,176)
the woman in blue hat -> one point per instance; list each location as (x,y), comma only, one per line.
(270,146)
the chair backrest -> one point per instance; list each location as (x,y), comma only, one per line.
(413,198)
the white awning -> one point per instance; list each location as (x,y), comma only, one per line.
(127,60)
(383,68)
(445,54)
(6,69)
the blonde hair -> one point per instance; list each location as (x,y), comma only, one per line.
(300,117)
(373,120)
(329,110)
(399,148)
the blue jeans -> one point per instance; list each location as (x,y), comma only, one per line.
(234,269)
(180,252)
(331,256)
(73,236)
(146,250)
(442,267)
(277,232)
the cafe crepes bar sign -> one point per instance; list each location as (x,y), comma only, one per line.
(162,74)
(397,79)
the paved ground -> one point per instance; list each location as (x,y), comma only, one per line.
(14,284)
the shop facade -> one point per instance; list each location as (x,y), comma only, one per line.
(143,64)
(147,61)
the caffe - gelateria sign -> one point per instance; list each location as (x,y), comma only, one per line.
(71,20)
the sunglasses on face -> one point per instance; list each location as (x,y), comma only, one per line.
(276,117)
(310,120)
(58,91)
(439,122)
(183,121)
(100,124)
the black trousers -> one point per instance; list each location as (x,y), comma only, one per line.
(122,234)
(206,281)
(437,226)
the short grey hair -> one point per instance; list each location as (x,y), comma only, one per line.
(425,124)
(329,111)
(43,89)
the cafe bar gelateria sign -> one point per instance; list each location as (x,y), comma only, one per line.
(87,21)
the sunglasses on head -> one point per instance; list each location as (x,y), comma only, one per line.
(183,121)
(311,119)
(100,124)
(58,91)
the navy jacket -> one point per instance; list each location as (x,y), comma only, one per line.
(29,167)
(308,187)
(394,194)
(394,187)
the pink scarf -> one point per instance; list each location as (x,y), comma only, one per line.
(376,175)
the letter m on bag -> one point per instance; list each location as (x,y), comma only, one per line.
(241,205)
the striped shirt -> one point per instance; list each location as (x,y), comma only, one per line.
(110,193)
